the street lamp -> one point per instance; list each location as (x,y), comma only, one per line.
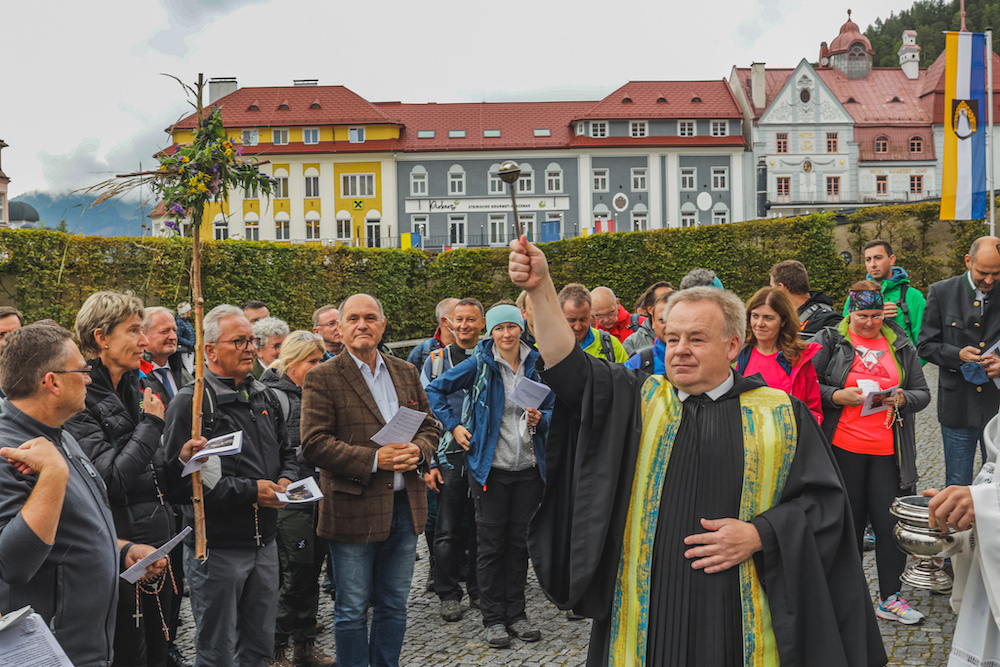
(509,173)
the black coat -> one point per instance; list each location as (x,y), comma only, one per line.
(124,445)
(177,370)
(954,319)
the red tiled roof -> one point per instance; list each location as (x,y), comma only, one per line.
(618,142)
(336,106)
(874,95)
(899,143)
(516,121)
(932,90)
(716,101)
(774,79)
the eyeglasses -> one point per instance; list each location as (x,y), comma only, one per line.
(335,323)
(869,318)
(242,343)
(85,370)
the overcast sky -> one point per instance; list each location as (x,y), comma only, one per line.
(83,97)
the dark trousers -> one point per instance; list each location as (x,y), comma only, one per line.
(300,554)
(872,483)
(503,509)
(145,645)
(455,532)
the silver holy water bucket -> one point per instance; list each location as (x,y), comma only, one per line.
(927,545)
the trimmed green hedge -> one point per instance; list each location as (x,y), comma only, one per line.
(48,274)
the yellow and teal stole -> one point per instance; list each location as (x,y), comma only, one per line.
(769,439)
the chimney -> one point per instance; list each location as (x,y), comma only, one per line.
(305,82)
(219,87)
(758,92)
(824,54)
(909,55)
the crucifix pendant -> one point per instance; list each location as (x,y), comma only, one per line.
(137,615)
(257,538)
(159,494)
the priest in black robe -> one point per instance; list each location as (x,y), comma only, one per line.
(818,607)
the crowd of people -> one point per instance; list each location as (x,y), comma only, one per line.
(551,429)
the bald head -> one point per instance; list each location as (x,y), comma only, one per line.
(983,262)
(605,306)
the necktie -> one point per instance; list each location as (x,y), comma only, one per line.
(163,374)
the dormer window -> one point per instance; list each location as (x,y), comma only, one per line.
(696,99)
(882,144)
(254,107)
(598,129)
(315,105)
(661,100)
(895,99)
(626,100)
(283,106)
(916,145)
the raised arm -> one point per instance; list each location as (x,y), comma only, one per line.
(529,270)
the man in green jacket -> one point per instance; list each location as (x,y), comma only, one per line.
(904,304)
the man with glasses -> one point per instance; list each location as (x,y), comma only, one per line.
(272,333)
(961,322)
(60,551)
(326,323)
(234,593)
(611,315)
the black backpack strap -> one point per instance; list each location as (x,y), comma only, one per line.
(635,322)
(607,347)
(646,362)
(906,309)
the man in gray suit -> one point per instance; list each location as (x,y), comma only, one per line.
(961,322)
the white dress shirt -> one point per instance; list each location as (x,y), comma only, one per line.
(384,392)
(714,394)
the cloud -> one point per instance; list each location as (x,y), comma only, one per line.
(765,14)
(186,18)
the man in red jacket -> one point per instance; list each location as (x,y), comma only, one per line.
(612,316)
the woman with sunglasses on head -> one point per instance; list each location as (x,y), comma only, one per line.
(774,350)
(120,432)
(300,552)
(876,452)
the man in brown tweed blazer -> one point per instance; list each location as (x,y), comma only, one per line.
(374,504)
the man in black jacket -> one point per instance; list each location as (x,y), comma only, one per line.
(962,321)
(234,592)
(814,308)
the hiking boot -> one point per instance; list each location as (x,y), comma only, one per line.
(497,637)
(525,631)
(451,611)
(307,654)
(895,608)
(280,658)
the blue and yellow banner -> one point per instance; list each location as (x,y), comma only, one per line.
(963,187)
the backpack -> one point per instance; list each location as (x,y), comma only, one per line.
(635,322)
(905,309)
(437,363)
(607,347)
(210,414)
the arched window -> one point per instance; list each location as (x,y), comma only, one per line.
(282,226)
(916,145)
(345,226)
(882,144)
(418,182)
(251,227)
(221,227)
(456,180)
(553,178)
(496,183)
(526,184)
(312,225)
(857,61)
(720,214)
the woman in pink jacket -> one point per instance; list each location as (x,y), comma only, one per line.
(774,350)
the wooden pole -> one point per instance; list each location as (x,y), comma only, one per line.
(197,491)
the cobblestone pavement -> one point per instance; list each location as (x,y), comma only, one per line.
(430,641)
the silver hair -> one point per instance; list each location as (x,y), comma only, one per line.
(697,278)
(377,303)
(267,328)
(734,314)
(147,319)
(211,323)
(443,307)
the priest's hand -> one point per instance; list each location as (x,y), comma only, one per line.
(951,508)
(527,266)
(726,543)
